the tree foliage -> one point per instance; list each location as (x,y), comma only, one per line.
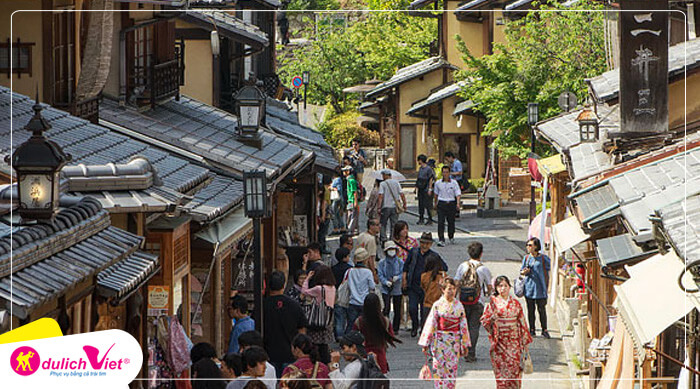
(374,46)
(340,129)
(544,54)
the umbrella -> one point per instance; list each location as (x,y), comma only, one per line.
(377,175)
(534,230)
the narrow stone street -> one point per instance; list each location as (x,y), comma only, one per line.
(504,246)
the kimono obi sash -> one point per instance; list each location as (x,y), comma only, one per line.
(507,323)
(448,324)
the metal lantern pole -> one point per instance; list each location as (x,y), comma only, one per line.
(305,79)
(532,118)
(257,277)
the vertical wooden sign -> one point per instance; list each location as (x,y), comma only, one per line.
(643,67)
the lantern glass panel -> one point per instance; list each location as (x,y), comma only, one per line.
(36,191)
(250,115)
(532,113)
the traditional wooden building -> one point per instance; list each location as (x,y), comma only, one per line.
(620,187)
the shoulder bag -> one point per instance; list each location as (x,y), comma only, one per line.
(342,295)
(397,204)
(526,362)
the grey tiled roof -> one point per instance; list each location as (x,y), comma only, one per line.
(472,4)
(607,85)
(207,131)
(214,200)
(410,72)
(441,94)
(517,4)
(588,159)
(286,124)
(228,25)
(592,203)
(562,131)
(49,259)
(418,4)
(124,276)
(681,222)
(618,250)
(640,190)
(208,3)
(463,106)
(92,144)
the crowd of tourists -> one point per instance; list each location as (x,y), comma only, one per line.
(332,324)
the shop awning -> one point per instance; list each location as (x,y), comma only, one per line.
(651,300)
(567,234)
(228,230)
(551,165)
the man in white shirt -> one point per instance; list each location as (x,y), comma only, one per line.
(474,311)
(352,348)
(447,202)
(390,194)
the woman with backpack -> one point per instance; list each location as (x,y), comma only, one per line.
(503,319)
(373,206)
(535,268)
(431,282)
(445,335)
(376,329)
(307,361)
(323,294)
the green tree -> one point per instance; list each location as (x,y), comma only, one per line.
(374,46)
(544,54)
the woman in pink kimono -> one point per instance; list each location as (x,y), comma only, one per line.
(508,333)
(446,335)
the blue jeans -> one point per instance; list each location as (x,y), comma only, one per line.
(338,221)
(341,320)
(354,311)
(415,305)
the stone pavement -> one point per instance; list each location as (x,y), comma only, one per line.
(503,241)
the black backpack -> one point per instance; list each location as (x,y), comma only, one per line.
(371,376)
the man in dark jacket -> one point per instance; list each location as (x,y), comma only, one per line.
(410,283)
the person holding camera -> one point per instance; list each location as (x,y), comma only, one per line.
(535,268)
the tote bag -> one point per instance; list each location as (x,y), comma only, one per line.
(319,315)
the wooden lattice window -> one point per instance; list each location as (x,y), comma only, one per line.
(63,58)
(180,252)
(21,58)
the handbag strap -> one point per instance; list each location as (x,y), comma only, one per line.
(391,192)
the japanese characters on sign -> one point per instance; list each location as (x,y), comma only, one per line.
(643,68)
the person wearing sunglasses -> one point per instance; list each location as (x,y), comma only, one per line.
(535,267)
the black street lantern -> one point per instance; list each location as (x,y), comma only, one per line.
(250,108)
(532,113)
(37,163)
(255,193)
(588,125)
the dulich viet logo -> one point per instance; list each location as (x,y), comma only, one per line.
(25,361)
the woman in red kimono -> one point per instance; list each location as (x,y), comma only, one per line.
(508,333)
